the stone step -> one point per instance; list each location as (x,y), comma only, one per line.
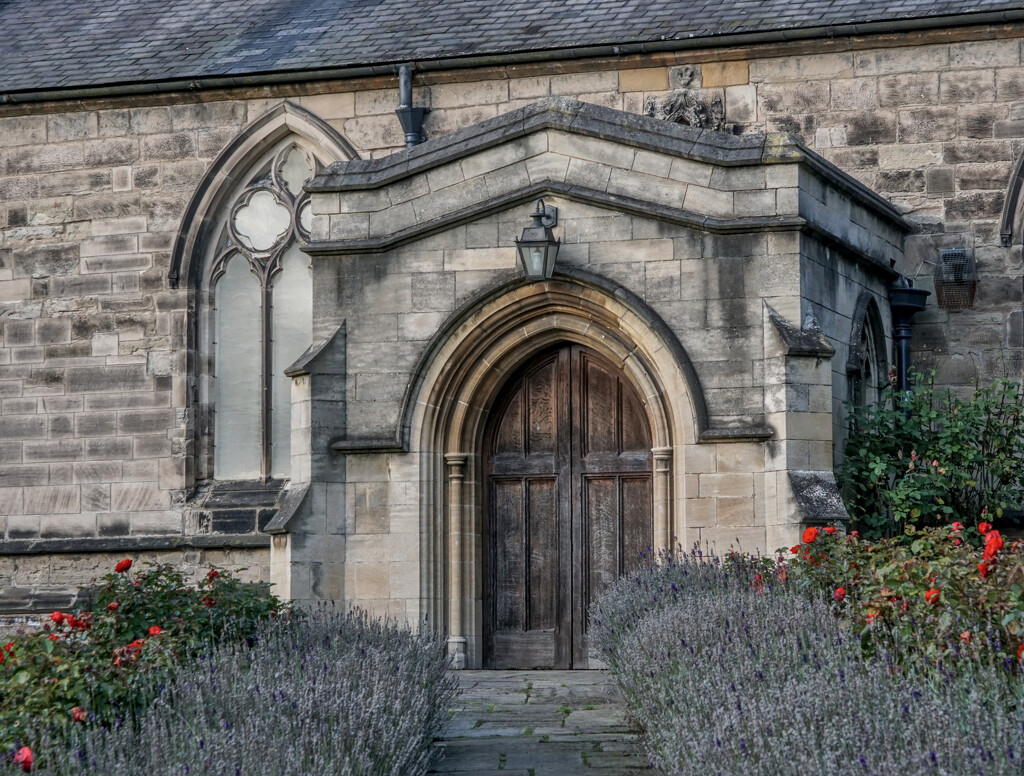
(531,723)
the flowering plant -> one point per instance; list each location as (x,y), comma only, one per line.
(929,588)
(925,457)
(105,660)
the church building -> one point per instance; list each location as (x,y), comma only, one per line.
(457,311)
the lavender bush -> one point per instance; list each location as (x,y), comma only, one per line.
(334,694)
(728,677)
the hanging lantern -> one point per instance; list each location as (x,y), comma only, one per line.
(538,247)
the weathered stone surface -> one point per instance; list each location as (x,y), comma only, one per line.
(524,722)
(99,395)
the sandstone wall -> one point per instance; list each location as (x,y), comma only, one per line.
(93,404)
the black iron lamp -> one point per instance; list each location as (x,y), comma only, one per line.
(538,247)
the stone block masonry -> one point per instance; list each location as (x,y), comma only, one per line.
(95,390)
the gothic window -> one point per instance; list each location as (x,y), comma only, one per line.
(867,365)
(260,287)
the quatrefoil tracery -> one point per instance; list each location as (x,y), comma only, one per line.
(270,214)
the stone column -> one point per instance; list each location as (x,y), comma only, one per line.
(456,563)
(665,531)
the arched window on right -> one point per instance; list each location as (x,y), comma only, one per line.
(868,364)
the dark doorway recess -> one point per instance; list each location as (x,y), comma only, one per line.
(567,458)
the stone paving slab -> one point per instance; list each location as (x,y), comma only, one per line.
(531,723)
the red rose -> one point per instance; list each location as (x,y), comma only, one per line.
(112,606)
(810,534)
(1020,653)
(155,630)
(932,596)
(957,526)
(839,593)
(53,637)
(9,647)
(795,549)
(24,759)
(212,575)
(855,534)
(993,544)
(123,566)
(57,617)
(984,528)
(983,569)
(78,714)
(829,529)
(208,601)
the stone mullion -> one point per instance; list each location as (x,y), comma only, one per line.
(266,377)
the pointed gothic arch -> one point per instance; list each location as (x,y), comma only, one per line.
(466,371)
(868,362)
(249,290)
(236,159)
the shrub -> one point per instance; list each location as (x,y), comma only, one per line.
(927,457)
(731,673)
(105,659)
(334,694)
(934,594)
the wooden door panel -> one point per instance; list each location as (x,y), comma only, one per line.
(599,407)
(541,409)
(569,508)
(509,438)
(542,560)
(508,543)
(599,520)
(637,522)
(636,433)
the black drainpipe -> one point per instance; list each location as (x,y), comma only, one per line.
(411,118)
(904,302)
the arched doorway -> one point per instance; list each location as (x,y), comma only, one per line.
(568,504)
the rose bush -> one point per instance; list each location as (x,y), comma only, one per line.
(946,592)
(104,661)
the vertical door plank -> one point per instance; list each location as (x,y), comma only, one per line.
(541,403)
(637,522)
(509,438)
(599,393)
(542,534)
(636,432)
(508,542)
(601,540)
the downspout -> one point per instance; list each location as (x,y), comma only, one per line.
(904,302)
(411,118)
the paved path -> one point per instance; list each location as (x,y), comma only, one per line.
(539,723)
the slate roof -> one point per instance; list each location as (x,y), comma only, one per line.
(66,44)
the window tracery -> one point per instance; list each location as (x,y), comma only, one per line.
(867,364)
(259,284)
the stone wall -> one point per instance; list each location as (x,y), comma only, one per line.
(44,582)
(93,364)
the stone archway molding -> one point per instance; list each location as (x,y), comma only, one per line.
(459,379)
(236,158)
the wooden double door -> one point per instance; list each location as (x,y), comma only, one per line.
(569,505)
